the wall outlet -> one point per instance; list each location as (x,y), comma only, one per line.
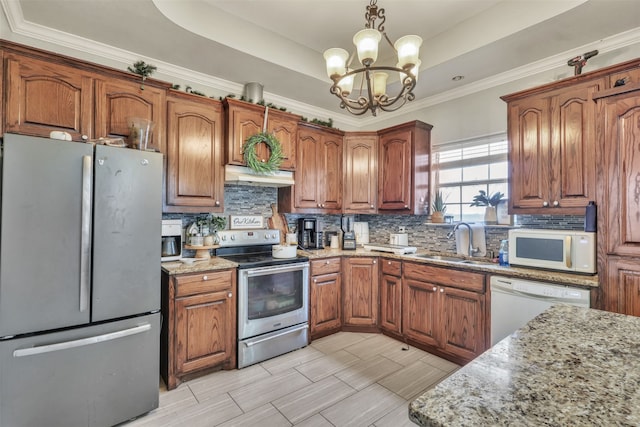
(403,229)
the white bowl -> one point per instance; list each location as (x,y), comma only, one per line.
(284,251)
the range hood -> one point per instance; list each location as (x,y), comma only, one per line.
(243,175)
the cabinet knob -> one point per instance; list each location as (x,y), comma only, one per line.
(84,137)
(327,262)
(545,204)
(441,289)
(205,277)
(217,202)
(371,206)
(315,280)
(406,207)
(374,261)
(319,205)
(435,289)
(323,205)
(556,203)
(388,262)
(230,295)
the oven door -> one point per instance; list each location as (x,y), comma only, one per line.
(272,298)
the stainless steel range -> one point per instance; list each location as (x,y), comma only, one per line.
(273,295)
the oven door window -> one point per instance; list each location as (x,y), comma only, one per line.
(274,294)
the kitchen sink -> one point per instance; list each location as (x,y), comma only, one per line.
(451,258)
(441,257)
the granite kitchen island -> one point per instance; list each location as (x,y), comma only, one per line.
(569,366)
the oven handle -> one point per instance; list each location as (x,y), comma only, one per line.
(287,332)
(261,271)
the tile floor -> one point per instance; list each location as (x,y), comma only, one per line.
(345,379)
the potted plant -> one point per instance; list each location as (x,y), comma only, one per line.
(490,202)
(438,208)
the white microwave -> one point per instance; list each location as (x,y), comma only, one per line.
(564,250)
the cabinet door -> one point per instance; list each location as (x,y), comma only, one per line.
(394,175)
(42,97)
(420,313)
(243,123)
(360,185)
(306,187)
(529,151)
(621,200)
(391,303)
(117,101)
(194,156)
(326,303)
(204,335)
(360,291)
(622,289)
(462,322)
(286,131)
(573,146)
(330,173)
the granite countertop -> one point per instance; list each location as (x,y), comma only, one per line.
(215,263)
(569,366)
(176,267)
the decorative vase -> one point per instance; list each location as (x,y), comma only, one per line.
(490,215)
(437,217)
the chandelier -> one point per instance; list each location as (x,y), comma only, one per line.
(372,92)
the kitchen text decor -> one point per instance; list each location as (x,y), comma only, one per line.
(244,222)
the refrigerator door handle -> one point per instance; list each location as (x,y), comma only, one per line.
(81,342)
(85,225)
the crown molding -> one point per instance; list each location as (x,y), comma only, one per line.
(25,28)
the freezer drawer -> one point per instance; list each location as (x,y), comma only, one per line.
(96,376)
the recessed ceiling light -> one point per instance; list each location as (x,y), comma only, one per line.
(457,78)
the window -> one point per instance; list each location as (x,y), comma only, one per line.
(462,168)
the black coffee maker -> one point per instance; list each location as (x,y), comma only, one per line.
(307,233)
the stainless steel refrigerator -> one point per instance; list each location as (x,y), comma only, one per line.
(79,283)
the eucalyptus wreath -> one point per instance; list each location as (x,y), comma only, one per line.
(260,165)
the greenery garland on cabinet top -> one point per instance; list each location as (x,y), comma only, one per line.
(261,165)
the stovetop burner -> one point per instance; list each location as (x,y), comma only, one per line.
(247,248)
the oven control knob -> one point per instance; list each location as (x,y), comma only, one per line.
(223,238)
(233,237)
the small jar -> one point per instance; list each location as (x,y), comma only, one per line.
(197,240)
(208,240)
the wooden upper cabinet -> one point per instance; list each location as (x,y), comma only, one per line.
(318,176)
(246,119)
(619,198)
(552,149)
(360,185)
(117,101)
(404,169)
(195,181)
(42,97)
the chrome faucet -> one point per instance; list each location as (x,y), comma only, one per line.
(472,250)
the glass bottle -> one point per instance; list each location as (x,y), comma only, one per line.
(503,255)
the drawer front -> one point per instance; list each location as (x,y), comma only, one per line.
(445,276)
(325,266)
(391,267)
(208,281)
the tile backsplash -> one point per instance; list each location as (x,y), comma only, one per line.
(249,200)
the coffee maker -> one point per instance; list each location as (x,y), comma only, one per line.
(309,237)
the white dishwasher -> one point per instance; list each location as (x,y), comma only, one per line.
(514,302)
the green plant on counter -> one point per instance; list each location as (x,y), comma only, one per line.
(438,204)
(217,222)
(482,199)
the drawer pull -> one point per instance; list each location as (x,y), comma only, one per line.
(205,277)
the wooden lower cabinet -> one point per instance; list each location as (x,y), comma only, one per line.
(391,296)
(199,324)
(623,286)
(360,292)
(326,297)
(444,310)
